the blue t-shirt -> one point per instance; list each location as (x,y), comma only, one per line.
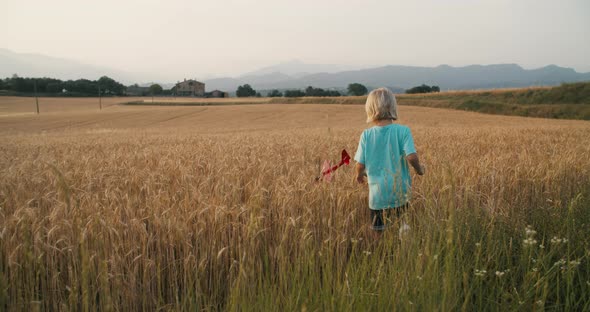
(382,149)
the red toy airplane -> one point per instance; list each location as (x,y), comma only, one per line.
(344,161)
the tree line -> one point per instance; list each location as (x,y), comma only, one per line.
(353,89)
(108,86)
(52,86)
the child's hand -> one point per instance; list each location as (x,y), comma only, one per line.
(422,170)
(360,179)
(360,173)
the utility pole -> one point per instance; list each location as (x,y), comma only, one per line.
(99,99)
(36,97)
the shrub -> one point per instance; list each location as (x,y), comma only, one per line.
(423,89)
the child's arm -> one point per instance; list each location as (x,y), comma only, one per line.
(360,173)
(415,162)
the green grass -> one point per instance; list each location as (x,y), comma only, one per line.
(471,261)
(568,101)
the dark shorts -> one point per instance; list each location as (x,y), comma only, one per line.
(382,219)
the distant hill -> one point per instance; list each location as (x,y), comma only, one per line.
(37,65)
(297,69)
(403,77)
(296,74)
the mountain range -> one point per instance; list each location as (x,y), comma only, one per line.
(400,77)
(297,74)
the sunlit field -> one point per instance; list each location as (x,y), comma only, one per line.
(215,208)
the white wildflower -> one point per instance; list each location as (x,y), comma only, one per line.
(480,272)
(530,241)
(500,274)
(403,230)
(366,252)
(556,240)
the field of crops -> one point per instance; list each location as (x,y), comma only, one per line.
(216,208)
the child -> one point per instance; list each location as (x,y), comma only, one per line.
(383,155)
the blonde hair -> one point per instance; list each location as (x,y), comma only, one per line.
(381,105)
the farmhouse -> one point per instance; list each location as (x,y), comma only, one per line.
(190,87)
(217,94)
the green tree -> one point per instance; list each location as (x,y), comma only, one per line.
(357,89)
(156,89)
(294,93)
(109,85)
(423,89)
(275,93)
(245,91)
(20,85)
(53,87)
(311,91)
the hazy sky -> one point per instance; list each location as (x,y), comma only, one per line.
(228,37)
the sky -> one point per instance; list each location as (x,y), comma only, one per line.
(229,37)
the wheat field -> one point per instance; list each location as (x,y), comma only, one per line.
(215,208)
